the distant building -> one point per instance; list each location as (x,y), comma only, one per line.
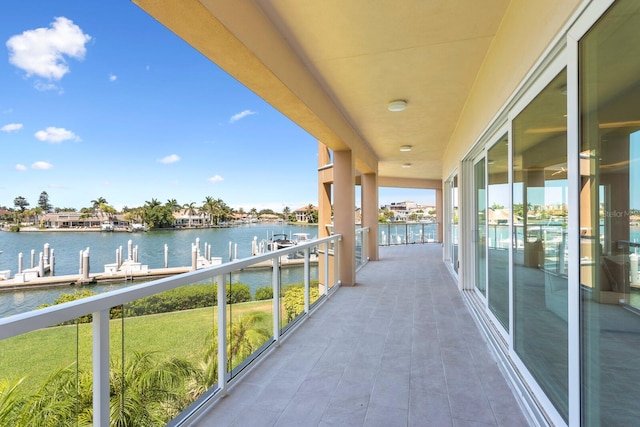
(304,214)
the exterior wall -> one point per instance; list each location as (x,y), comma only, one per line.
(526,30)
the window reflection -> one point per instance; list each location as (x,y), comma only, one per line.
(540,282)
(609,217)
(498,230)
(454,223)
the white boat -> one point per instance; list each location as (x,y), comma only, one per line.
(136,227)
(280,241)
(106,226)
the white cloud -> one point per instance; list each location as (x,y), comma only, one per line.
(241,115)
(11,127)
(216,178)
(41,165)
(42,51)
(112,77)
(56,135)
(171,158)
(20,167)
(43,87)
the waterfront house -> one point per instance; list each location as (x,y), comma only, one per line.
(186,219)
(305,213)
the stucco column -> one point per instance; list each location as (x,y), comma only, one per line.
(325,178)
(439,216)
(370,212)
(344,213)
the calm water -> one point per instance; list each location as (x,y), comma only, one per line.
(67,246)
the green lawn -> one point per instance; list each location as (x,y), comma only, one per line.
(182,334)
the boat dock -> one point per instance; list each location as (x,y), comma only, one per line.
(41,273)
(123,274)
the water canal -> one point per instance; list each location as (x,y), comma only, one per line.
(103,246)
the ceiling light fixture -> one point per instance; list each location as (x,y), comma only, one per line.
(405,148)
(397,105)
(406,165)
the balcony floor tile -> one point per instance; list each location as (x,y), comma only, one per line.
(398,349)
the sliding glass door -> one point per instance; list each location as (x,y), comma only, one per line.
(498,219)
(480,234)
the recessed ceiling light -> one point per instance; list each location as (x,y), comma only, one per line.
(397,105)
(406,165)
(405,148)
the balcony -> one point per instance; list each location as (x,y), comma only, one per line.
(400,348)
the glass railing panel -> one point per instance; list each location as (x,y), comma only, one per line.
(415,233)
(383,233)
(315,288)
(359,252)
(45,376)
(249,321)
(163,353)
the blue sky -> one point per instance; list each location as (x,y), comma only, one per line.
(97,99)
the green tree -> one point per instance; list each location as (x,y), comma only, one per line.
(43,202)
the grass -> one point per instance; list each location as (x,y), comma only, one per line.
(181,334)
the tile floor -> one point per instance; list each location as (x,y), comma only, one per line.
(398,349)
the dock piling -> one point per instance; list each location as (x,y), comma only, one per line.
(46,253)
(20,262)
(41,264)
(85,264)
(166,256)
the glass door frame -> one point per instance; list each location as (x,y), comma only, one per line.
(496,136)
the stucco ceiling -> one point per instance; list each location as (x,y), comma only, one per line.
(367,53)
(333,66)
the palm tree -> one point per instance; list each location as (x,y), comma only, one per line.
(54,404)
(311,210)
(9,401)
(145,391)
(190,209)
(209,206)
(173,205)
(244,338)
(97,202)
(286,213)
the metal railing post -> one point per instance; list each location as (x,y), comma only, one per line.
(101,410)
(336,262)
(307,289)
(222,334)
(275,282)
(365,245)
(326,268)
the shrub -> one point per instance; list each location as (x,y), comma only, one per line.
(238,292)
(73,296)
(182,298)
(294,300)
(263,293)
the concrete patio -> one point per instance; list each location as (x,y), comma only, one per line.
(398,349)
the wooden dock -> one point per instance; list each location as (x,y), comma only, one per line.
(122,275)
